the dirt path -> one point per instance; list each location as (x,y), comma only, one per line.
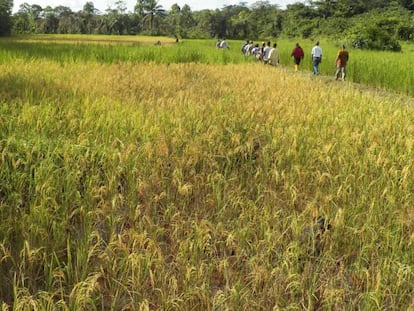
(382,93)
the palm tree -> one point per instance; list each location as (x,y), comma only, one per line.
(149,10)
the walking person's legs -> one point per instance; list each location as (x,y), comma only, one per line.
(340,72)
(315,66)
(343,69)
(297,62)
(337,72)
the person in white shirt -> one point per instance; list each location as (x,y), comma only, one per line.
(224,44)
(256,51)
(316,57)
(266,52)
(248,48)
(274,56)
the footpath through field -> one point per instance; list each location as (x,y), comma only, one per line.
(363,88)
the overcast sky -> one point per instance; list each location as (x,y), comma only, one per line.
(102,5)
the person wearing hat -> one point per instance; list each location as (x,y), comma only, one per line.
(341,62)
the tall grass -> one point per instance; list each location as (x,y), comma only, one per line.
(111,50)
(143,186)
(385,70)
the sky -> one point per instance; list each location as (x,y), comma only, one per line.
(102,5)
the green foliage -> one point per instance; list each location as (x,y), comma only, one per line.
(375,37)
(408,4)
(334,27)
(262,20)
(381,29)
(5,20)
(299,27)
(405,32)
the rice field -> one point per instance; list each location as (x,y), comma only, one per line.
(199,185)
(382,70)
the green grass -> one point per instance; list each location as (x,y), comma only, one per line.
(108,50)
(386,70)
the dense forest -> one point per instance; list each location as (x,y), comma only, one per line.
(375,24)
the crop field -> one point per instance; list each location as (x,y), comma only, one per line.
(383,70)
(182,177)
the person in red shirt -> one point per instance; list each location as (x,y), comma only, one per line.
(297,55)
(341,62)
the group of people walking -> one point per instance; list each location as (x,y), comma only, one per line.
(341,61)
(269,54)
(266,53)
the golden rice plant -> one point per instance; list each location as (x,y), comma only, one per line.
(201,187)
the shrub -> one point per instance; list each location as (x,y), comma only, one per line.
(374,38)
(405,32)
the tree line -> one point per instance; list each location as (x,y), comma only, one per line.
(368,24)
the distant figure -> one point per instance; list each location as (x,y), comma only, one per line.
(256,51)
(157,43)
(297,55)
(218,43)
(341,62)
(224,44)
(316,58)
(266,52)
(261,51)
(244,47)
(273,56)
(248,48)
